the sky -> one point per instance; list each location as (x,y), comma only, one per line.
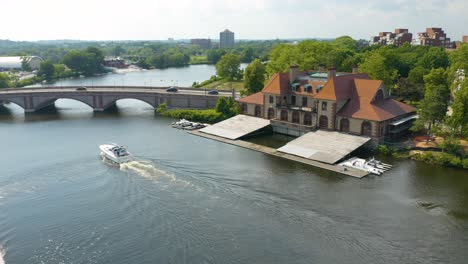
(249,19)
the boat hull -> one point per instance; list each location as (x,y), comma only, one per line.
(108,154)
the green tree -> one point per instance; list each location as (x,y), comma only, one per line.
(376,66)
(433,108)
(87,62)
(25,64)
(4,80)
(254,77)
(459,118)
(229,66)
(46,70)
(214,55)
(434,58)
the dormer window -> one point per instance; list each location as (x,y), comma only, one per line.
(318,88)
(308,88)
(295,86)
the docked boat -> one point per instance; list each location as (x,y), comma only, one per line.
(372,165)
(187,125)
(115,153)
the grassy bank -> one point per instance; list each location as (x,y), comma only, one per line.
(198,60)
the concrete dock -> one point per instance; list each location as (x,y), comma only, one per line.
(271,151)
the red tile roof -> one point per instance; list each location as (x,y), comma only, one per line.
(340,87)
(256,98)
(362,104)
(278,84)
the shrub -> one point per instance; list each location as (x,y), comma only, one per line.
(451,145)
(441,158)
(383,149)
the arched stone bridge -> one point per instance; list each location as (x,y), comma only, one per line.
(102,97)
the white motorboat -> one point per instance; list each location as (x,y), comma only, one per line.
(115,153)
(372,166)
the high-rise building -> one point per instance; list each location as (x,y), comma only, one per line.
(226,39)
(435,37)
(465,39)
(203,43)
(398,38)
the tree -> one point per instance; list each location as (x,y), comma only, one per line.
(229,66)
(254,77)
(46,70)
(433,108)
(87,62)
(4,80)
(376,66)
(214,55)
(434,58)
(459,117)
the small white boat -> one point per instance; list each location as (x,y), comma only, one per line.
(372,166)
(115,153)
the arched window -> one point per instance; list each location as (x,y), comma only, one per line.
(308,119)
(366,128)
(295,117)
(323,122)
(271,113)
(284,115)
(344,125)
(244,108)
(258,111)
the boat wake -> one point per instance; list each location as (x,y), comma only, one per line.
(2,254)
(150,171)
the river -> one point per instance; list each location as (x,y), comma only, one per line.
(182,76)
(192,200)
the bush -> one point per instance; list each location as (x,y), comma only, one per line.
(205,116)
(441,158)
(383,149)
(451,145)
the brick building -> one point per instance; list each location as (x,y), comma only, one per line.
(203,43)
(435,37)
(302,101)
(400,37)
(465,39)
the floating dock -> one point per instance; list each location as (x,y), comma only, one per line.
(271,151)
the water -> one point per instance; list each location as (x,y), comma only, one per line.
(182,76)
(188,199)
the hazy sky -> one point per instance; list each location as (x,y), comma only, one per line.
(249,19)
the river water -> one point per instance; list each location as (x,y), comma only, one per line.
(182,76)
(192,200)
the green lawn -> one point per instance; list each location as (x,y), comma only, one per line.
(199,60)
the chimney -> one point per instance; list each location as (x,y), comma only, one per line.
(293,73)
(321,68)
(331,73)
(355,69)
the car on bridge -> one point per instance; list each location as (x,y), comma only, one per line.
(171,89)
(213,92)
(83,88)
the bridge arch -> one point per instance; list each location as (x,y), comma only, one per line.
(147,100)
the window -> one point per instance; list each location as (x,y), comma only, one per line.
(308,119)
(324,106)
(271,113)
(323,122)
(293,100)
(244,108)
(344,125)
(258,111)
(295,117)
(284,115)
(366,128)
(304,101)
(271,99)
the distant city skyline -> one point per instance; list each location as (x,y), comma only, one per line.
(250,19)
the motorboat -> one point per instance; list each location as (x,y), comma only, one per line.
(115,153)
(187,125)
(372,165)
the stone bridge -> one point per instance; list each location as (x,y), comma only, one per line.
(102,97)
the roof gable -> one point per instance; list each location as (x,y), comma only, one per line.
(278,84)
(340,87)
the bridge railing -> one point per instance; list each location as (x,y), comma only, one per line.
(111,87)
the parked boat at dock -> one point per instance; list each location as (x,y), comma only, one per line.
(372,165)
(187,125)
